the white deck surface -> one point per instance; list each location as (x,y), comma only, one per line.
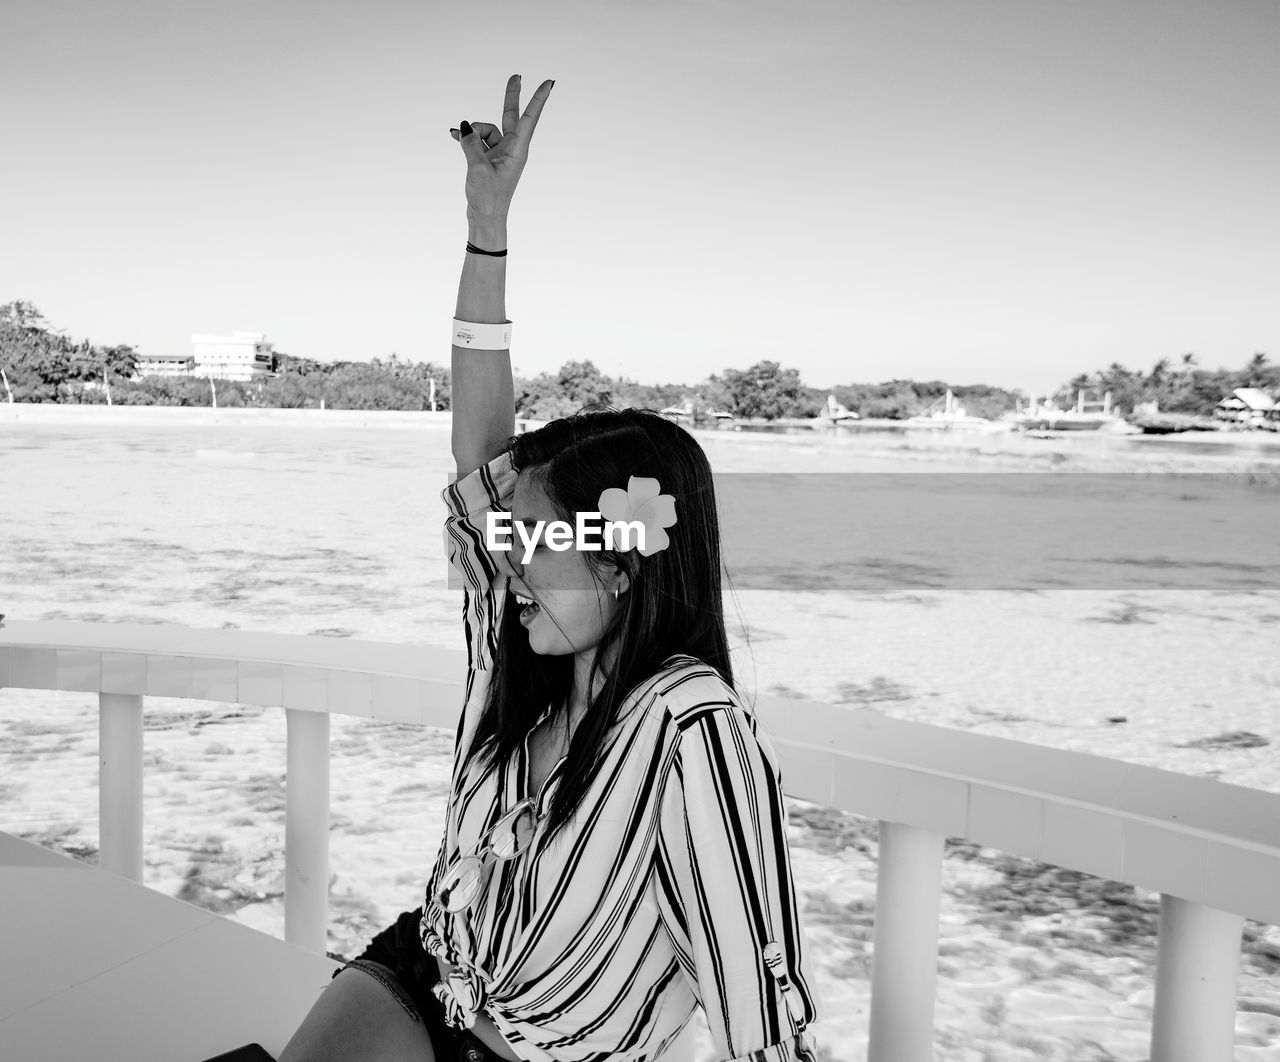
(94,966)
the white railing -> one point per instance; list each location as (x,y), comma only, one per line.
(1211,850)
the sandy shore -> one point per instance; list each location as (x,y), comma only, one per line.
(58,413)
(1181,447)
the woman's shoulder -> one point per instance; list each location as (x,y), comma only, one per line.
(687,687)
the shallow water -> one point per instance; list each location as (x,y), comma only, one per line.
(938,576)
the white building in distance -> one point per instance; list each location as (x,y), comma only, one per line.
(240,356)
(164,365)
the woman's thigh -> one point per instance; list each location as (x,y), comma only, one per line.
(357,1020)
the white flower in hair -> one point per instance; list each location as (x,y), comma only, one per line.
(641,502)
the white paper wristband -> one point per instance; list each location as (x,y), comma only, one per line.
(482,336)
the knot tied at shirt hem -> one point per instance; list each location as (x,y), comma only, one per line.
(463,994)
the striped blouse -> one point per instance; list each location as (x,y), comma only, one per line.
(669,890)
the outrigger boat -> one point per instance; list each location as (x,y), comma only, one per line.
(1049,418)
(951,417)
(690,413)
(836,413)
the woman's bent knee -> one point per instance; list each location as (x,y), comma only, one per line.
(358,1018)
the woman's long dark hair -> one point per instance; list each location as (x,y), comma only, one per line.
(673,605)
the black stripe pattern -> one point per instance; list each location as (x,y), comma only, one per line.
(671,890)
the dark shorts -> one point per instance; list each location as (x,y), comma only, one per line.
(396,958)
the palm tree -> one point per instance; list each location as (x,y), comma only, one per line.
(1189,362)
(1181,400)
(1156,386)
(1255,369)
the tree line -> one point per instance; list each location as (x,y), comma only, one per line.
(41,364)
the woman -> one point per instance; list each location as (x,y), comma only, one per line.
(615,852)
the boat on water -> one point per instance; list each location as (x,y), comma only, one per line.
(1150,421)
(691,413)
(952,417)
(781,425)
(1087,416)
(835,413)
(1172,423)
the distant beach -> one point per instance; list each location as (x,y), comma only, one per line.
(1180,449)
(60,413)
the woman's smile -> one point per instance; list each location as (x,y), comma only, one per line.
(528,608)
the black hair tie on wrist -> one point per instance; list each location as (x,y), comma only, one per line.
(495,254)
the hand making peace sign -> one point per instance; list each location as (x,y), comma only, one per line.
(496,158)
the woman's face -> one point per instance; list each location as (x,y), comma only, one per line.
(572,609)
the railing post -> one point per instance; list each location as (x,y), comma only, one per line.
(306,830)
(904,964)
(120,784)
(1197,963)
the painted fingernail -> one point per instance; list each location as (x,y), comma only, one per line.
(466,128)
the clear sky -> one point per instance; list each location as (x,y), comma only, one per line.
(1000,191)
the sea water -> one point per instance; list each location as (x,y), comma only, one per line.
(1030,587)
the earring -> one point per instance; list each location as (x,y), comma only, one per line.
(615,593)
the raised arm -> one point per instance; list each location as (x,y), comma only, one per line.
(483,397)
(483,393)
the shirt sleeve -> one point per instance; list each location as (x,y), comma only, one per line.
(726,892)
(469,500)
